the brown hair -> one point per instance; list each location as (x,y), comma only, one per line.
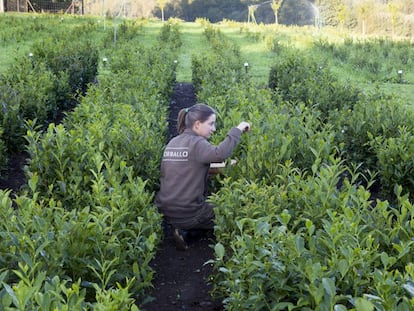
(188,116)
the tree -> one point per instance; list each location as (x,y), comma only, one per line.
(392,8)
(407,6)
(296,12)
(342,14)
(275,7)
(161,4)
(364,9)
(252,10)
(330,10)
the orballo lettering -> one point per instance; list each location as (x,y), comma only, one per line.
(176,154)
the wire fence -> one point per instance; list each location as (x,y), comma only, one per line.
(110,8)
(40,6)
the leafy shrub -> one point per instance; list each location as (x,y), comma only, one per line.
(378,59)
(301,80)
(77,59)
(28,93)
(87,213)
(395,164)
(127,30)
(305,243)
(280,133)
(357,128)
(39,87)
(170,35)
(36,244)
(295,228)
(220,67)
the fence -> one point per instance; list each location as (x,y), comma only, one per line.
(124,8)
(40,6)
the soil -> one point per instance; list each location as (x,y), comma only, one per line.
(181,279)
(14,176)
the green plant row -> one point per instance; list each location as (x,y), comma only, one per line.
(17,28)
(297,224)
(363,122)
(379,59)
(85,229)
(302,243)
(300,79)
(46,82)
(283,131)
(218,67)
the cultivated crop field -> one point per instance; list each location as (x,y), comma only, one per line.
(316,215)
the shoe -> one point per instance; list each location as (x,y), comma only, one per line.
(180,242)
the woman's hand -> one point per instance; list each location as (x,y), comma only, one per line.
(244,127)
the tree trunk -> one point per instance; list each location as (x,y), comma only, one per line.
(363,27)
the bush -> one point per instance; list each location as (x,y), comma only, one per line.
(303,242)
(357,129)
(218,68)
(77,59)
(28,93)
(395,162)
(301,80)
(58,256)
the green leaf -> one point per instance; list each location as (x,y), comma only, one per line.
(329,286)
(12,294)
(385,259)
(343,267)
(313,270)
(300,244)
(33,182)
(409,287)
(219,250)
(310,226)
(362,304)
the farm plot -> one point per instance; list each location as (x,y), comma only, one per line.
(310,217)
(316,215)
(82,233)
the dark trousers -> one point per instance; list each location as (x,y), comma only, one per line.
(204,219)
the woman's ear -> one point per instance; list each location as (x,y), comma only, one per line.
(196,125)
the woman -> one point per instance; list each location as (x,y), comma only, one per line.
(184,170)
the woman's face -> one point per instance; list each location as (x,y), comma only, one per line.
(206,128)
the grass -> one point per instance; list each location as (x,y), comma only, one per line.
(194,43)
(254,52)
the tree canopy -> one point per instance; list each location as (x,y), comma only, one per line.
(346,13)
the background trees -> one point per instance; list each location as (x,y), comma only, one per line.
(387,17)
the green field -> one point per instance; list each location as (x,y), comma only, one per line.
(254,42)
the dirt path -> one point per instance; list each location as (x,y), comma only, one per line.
(181,278)
(14,174)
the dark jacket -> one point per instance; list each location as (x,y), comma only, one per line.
(184,171)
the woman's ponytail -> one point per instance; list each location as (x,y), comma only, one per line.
(181,120)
